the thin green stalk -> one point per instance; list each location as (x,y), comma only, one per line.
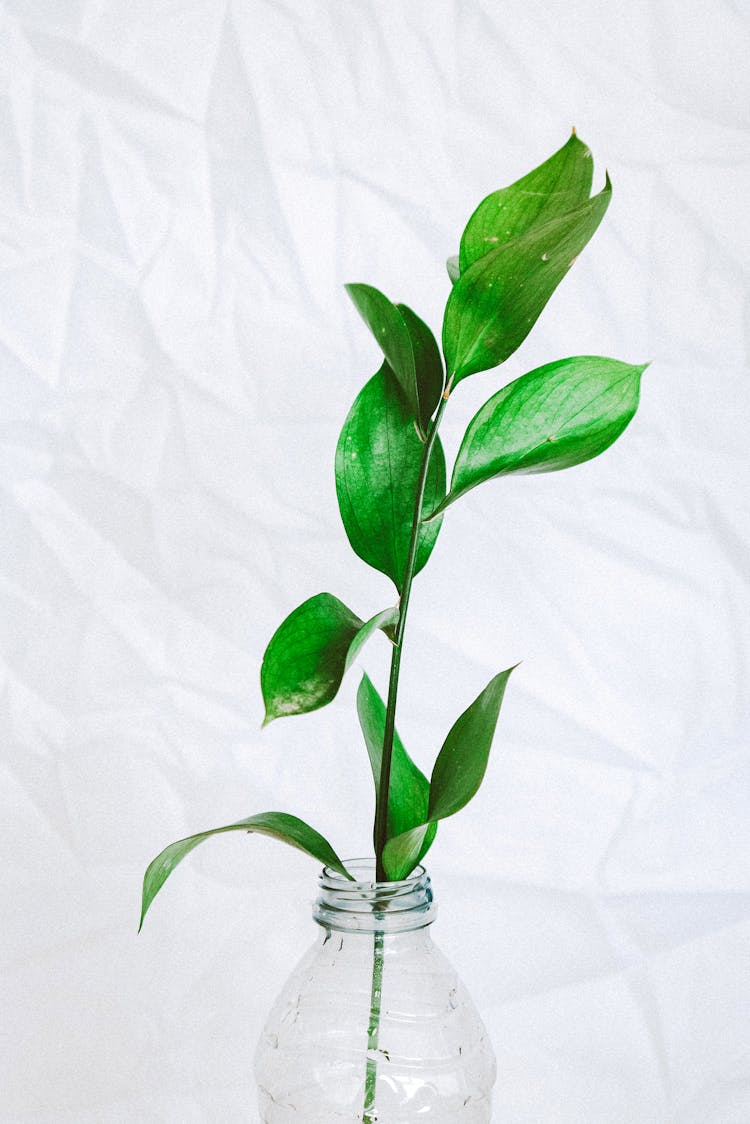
(373,1027)
(381,809)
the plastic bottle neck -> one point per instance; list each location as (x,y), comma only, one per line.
(367,906)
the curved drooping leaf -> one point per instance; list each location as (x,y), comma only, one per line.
(552,418)
(559,185)
(280,825)
(459,768)
(409,789)
(309,653)
(496,302)
(409,347)
(377,468)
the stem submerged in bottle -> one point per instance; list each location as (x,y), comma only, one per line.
(373,1029)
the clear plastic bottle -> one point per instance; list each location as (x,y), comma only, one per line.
(374,1024)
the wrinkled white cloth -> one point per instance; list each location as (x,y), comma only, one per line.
(184,189)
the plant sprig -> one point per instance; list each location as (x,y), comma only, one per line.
(391,485)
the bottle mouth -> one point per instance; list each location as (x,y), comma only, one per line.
(363,875)
(367,906)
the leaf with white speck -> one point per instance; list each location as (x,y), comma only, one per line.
(377,467)
(497,300)
(552,418)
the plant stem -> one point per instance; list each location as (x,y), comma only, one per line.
(381,810)
(373,1027)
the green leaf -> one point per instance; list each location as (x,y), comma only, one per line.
(377,468)
(496,302)
(428,365)
(459,768)
(409,789)
(409,347)
(309,653)
(462,761)
(305,660)
(386,620)
(557,186)
(552,418)
(279,825)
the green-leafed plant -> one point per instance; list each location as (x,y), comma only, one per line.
(391,485)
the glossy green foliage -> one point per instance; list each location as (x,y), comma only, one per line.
(309,653)
(461,763)
(559,185)
(409,791)
(458,770)
(409,347)
(377,468)
(279,825)
(516,248)
(552,418)
(494,304)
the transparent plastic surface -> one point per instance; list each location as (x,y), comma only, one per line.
(374,1024)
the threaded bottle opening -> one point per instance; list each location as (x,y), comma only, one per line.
(368,906)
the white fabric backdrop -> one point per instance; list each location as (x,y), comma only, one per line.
(185,187)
